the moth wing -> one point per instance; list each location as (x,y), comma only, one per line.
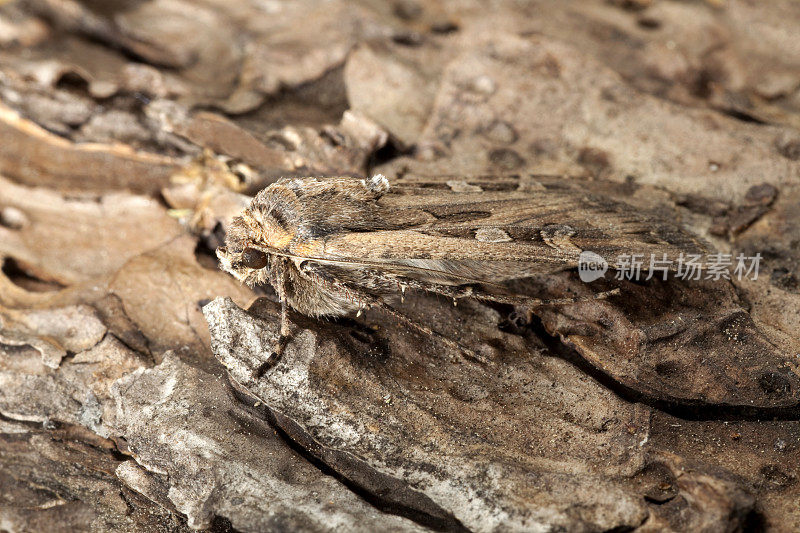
(496,235)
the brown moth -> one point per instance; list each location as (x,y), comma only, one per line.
(338,245)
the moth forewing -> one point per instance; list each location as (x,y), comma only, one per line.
(505,237)
(333,246)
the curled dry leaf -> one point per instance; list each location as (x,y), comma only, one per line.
(33,156)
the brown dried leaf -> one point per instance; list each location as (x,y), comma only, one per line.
(163,290)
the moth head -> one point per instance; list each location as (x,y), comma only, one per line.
(249,265)
(242,257)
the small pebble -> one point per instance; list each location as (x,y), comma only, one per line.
(484,84)
(13,218)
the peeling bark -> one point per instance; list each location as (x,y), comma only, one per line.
(134,389)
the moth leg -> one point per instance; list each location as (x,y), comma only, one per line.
(285,331)
(367,300)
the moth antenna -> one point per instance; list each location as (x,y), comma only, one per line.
(457,293)
(542,302)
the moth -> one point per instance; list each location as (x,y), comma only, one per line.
(334,246)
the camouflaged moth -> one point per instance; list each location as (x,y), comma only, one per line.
(338,245)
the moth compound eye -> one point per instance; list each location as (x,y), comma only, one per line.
(255,259)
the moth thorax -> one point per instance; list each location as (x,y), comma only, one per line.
(275,235)
(277,225)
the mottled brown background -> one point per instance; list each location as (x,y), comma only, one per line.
(131,131)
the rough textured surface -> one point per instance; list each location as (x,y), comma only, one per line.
(689,342)
(456,436)
(33,156)
(132,131)
(481,434)
(53,332)
(580,113)
(219,459)
(102,233)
